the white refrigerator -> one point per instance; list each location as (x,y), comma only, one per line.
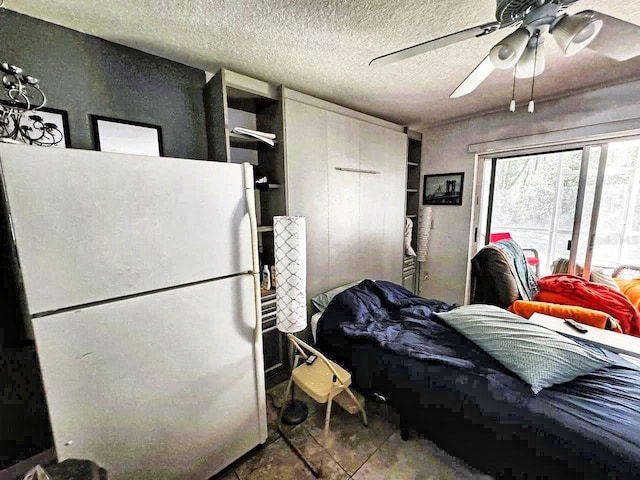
(140,276)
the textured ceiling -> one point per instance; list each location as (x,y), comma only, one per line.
(323,47)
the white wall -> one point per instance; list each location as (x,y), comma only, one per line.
(445,150)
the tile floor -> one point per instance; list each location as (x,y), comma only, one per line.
(354,452)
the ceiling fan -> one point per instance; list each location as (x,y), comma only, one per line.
(523,49)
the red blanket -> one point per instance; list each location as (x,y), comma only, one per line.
(578,291)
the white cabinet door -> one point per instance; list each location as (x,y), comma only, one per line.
(160,386)
(374,196)
(91,226)
(382,198)
(355,220)
(344,200)
(307,185)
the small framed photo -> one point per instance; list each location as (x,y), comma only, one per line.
(124,136)
(443,189)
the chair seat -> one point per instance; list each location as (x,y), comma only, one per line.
(316,379)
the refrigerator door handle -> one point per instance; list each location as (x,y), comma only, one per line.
(257,341)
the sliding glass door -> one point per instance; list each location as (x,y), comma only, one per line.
(581,204)
(617,239)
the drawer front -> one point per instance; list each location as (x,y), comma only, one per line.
(268,320)
(268,304)
(409,261)
(408,271)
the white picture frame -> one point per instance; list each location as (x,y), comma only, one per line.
(128,137)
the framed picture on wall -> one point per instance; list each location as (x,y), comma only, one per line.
(124,136)
(443,189)
(45,126)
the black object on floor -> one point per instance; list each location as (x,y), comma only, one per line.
(295,412)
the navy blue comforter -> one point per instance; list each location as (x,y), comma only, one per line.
(466,401)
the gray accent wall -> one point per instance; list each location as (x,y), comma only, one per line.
(87,75)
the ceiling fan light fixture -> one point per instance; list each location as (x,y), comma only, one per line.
(531,58)
(575,32)
(506,53)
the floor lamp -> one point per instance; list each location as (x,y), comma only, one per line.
(289,234)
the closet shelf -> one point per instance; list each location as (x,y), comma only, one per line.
(272,186)
(412,190)
(242,141)
(265,228)
(413,164)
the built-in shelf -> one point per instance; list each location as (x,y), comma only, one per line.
(235,100)
(414,153)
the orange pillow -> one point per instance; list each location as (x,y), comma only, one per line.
(595,318)
(630,289)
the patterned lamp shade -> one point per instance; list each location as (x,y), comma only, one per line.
(424,232)
(290,240)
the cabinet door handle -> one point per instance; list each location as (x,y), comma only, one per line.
(357,170)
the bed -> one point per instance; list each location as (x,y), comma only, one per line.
(474,407)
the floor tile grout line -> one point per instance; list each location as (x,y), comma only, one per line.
(375,451)
(335,459)
(369,457)
(325,450)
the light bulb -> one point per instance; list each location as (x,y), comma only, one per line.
(506,53)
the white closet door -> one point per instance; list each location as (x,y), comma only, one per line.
(91,226)
(308,185)
(344,199)
(354,220)
(160,386)
(373,199)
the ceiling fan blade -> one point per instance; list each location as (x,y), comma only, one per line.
(618,39)
(409,52)
(475,78)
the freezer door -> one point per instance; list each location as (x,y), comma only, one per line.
(162,386)
(91,226)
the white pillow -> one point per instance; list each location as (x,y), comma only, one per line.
(322,300)
(598,276)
